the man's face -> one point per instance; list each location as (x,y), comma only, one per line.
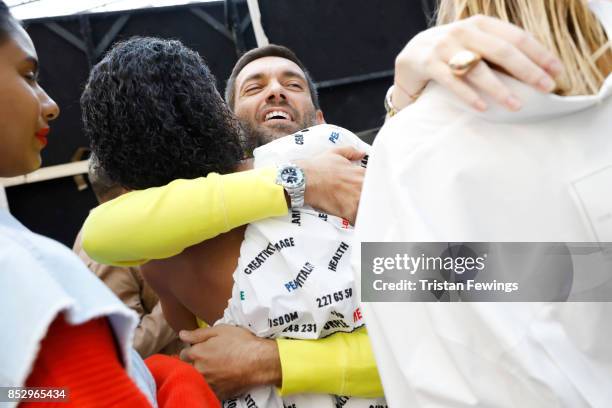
(272,99)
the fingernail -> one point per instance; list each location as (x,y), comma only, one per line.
(546,84)
(555,68)
(182,333)
(513,103)
(480,105)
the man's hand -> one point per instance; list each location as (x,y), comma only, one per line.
(333,182)
(232,359)
(505,45)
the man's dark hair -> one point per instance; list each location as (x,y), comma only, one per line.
(7,22)
(271,50)
(152,113)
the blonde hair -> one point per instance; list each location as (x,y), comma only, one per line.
(566,27)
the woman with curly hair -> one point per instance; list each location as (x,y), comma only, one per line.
(164,102)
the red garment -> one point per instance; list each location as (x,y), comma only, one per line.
(84,359)
(179,385)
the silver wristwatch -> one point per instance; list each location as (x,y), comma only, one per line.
(293,180)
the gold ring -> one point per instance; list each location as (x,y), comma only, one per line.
(462,62)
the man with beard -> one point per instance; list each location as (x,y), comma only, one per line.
(273,95)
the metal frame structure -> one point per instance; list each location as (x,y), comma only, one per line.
(355,79)
(233,30)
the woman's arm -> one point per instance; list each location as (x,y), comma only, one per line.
(507,47)
(161,222)
(340,364)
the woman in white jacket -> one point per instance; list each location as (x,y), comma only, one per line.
(542,173)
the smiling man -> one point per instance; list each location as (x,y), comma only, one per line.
(272,94)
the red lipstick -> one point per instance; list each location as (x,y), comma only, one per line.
(41,135)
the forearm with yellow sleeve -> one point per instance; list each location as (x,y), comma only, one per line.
(340,364)
(161,222)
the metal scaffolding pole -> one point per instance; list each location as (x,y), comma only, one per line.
(254,12)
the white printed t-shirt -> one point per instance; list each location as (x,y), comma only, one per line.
(294,278)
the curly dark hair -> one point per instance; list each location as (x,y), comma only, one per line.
(152,114)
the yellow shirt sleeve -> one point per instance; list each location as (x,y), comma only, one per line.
(340,364)
(161,222)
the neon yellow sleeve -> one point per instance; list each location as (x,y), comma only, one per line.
(340,364)
(161,222)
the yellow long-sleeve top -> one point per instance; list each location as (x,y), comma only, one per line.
(161,222)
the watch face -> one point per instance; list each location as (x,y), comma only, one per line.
(291,177)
